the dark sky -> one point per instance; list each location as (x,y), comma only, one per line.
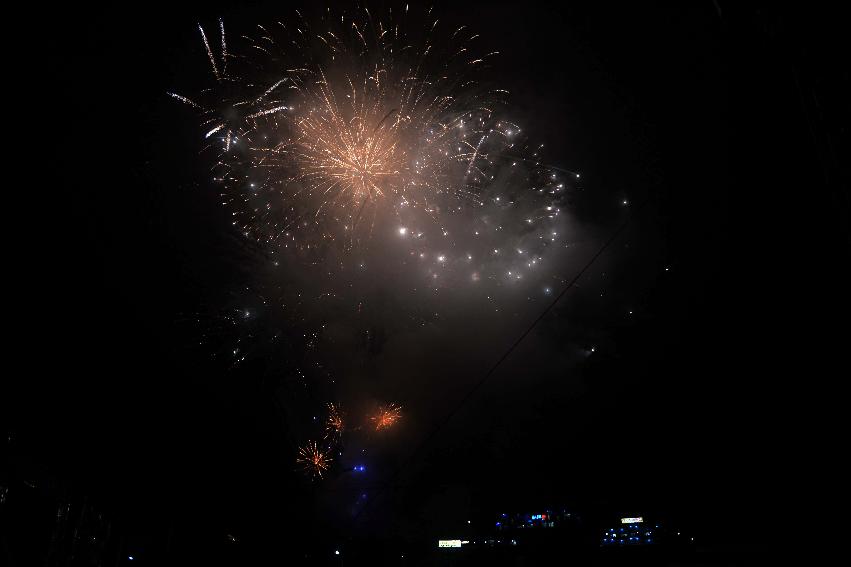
(682,410)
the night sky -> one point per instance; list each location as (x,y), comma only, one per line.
(712,315)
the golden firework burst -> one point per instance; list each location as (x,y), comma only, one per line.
(386,416)
(313,459)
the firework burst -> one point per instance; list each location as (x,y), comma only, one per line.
(321,133)
(314,460)
(386,416)
(349,131)
(334,424)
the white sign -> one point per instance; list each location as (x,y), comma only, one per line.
(637,520)
(449,543)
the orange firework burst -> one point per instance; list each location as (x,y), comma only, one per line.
(386,416)
(325,127)
(334,425)
(314,460)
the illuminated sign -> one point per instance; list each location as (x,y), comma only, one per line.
(637,520)
(449,543)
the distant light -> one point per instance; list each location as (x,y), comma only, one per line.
(130,558)
(625,202)
(468,521)
(637,520)
(403,231)
(336,552)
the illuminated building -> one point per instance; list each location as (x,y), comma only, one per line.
(539,519)
(638,531)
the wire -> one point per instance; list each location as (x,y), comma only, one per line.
(506,354)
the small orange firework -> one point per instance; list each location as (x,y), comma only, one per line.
(313,459)
(334,424)
(386,416)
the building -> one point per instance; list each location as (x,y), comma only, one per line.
(638,531)
(541,519)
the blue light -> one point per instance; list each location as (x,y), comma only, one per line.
(130,558)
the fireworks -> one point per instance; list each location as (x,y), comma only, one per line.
(334,424)
(365,158)
(322,133)
(313,459)
(386,416)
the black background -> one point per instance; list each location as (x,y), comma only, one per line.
(729,371)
